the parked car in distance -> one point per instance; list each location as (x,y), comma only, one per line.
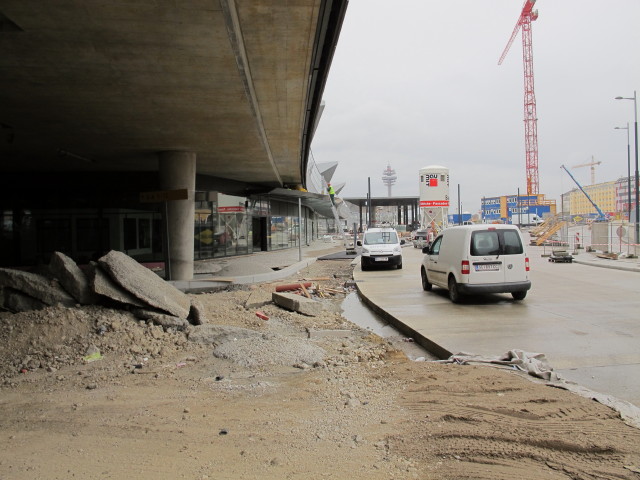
(477,259)
(420,239)
(380,246)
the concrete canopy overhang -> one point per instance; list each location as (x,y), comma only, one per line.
(316,201)
(383,201)
(105,86)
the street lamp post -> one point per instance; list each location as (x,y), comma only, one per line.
(628,170)
(635,111)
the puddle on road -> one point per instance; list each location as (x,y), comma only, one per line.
(354,310)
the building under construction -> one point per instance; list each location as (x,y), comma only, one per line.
(516,208)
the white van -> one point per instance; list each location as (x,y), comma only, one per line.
(380,246)
(476,259)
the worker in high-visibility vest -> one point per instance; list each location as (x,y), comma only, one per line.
(332,193)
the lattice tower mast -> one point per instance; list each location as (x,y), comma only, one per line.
(389,178)
(530,116)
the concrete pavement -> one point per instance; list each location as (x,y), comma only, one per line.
(582,317)
(392,293)
(258,267)
(590,258)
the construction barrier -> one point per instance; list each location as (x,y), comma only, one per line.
(606,237)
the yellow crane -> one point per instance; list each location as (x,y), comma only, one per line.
(591,164)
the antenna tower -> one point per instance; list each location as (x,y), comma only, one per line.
(389,178)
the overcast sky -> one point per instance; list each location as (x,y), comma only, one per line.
(415,83)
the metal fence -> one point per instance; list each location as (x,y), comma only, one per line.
(607,237)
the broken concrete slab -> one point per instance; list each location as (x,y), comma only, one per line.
(196,313)
(16,301)
(72,278)
(144,284)
(165,321)
(102,284)
(36,286)
(219,334)
(296,303)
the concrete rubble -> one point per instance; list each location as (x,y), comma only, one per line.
(144,284)
(297,303)
(17,301)
(36,286)
(72,278)
(116,279)
(102,285)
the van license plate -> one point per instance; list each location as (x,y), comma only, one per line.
(487,267)
(382,259)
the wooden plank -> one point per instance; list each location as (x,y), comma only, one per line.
(304,289)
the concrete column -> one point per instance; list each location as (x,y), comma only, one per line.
(178,171)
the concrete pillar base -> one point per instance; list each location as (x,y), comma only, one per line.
(178,171)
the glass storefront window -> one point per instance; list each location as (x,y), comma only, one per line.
(222,228)
(204,242)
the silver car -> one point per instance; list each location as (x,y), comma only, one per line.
(420,239)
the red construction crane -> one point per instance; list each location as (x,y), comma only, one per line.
(530,117)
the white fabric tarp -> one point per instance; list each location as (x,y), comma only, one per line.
(535,364)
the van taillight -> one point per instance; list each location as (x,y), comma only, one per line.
(465,267)
(526,264)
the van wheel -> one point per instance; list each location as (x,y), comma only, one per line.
(519,295)
(454,294)
(426,285)
(399,267)
(363,265)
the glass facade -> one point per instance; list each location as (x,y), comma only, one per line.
(222,230)
(224,225)
(29,237)
(281,225)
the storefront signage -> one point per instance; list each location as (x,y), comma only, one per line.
(234,209)
(434,203)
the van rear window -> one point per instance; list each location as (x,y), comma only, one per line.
(512,243)
(485,243)
(495,242)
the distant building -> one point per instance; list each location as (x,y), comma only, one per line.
(622,197)
(516,209)
(603,194)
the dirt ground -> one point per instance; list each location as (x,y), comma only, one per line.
(93,393)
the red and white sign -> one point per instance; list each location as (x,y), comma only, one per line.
(434,203)
(238,209)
